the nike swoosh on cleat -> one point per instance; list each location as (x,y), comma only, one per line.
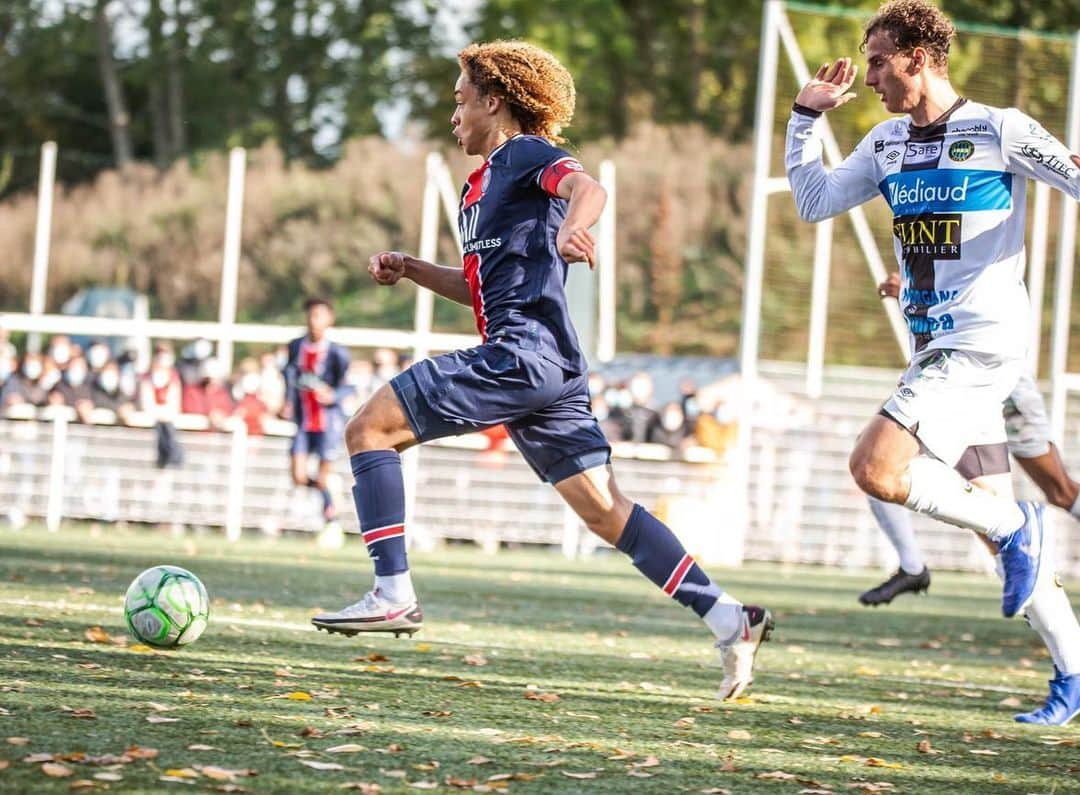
(391,615)
(746,630)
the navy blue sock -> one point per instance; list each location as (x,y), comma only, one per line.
(659,555)
(379,494)
(327,499)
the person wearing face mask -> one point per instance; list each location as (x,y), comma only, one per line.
(60,350)
(73,389)
(159,396)
(670,427)
(97,356)
(24,387)
(107,394)
(208,396)
(249,406)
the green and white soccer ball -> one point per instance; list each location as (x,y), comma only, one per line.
(166,607)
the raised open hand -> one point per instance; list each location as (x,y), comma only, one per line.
(829,88)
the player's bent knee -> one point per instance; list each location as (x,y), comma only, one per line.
(874,478)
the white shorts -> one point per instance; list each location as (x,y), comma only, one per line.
(951,401)
(1026,423)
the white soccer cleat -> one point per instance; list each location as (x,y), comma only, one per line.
(737,656)
(373,613)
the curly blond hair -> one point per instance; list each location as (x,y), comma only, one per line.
(914,23)
(537,88)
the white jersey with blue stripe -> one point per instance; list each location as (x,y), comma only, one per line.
(957,190)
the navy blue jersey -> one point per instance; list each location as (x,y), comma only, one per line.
(510,215)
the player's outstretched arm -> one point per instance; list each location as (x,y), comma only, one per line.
(820,194)
(586,199)
(388,267)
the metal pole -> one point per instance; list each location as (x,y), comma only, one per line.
(605,333)
(54,508)
(1059,350)
(234,508)
(429,244)
(819,308)
(42,237)
(230,268)
(1037,269)
(738,522)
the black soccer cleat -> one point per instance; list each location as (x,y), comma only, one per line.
(900,582)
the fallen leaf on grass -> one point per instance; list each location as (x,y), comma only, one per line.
(649,761)
(639,774)
(311,731)
(422,784)
(96,635)
(422,647)
(33,622)
(34,759)
(364,787)
(873,761)
(320,765)
(479,760)
(437,713)
(201,747)
(715,791)
(181,772)
(161,719)
(54,770)
(460,783)
(923,747)
(473,683)
(872,786)
(983,752)
(532,695)
(870,734)
(18,740)
(82,783)
(296,695)
(83,713)
(135,752)
(4,764)
(108,776)
(1010,701)
(348,748)
(475,659)
(739,734)
(685,723)
(568,774)
(776,775)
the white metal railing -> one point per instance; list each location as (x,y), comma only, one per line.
(802,504)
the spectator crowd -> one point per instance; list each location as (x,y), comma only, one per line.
(192,381)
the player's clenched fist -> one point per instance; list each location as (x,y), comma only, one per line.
(387,267)
(576,245)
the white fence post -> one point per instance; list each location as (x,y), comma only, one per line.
(819,308)
(571,532)
(605,322)
(42,236)
(54,509)
(230,266)
(234,509)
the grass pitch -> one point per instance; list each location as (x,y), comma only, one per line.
(533,674)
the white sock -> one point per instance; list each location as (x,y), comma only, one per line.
(1050,614)
(895,522)
(937,490)
(396,588)
(724,618)
(1075,509)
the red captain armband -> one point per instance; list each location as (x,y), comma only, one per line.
(553,174)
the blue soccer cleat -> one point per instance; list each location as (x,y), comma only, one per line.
(1021,556)
(1062,705)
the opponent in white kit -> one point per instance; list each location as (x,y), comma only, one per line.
(955,175)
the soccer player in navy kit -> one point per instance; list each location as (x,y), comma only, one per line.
(315,387)
(525,214)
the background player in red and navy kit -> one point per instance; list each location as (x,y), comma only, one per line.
(315,386)
(525,213)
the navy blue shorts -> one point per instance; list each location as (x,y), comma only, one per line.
(545,409)
(325,445)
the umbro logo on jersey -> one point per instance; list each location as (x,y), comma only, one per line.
(892,156)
